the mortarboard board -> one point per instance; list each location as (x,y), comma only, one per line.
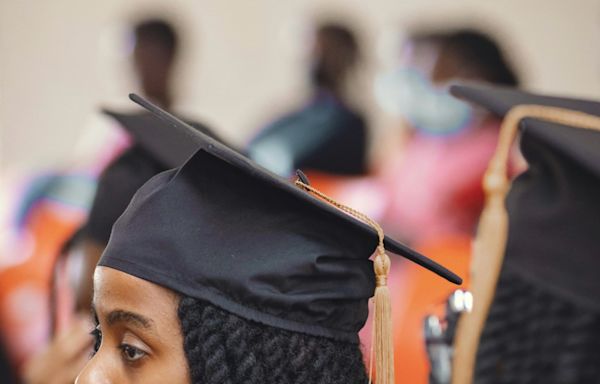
(548,234)
(155,149)
(222,229)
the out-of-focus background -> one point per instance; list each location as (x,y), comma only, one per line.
(62,59)
(352,91)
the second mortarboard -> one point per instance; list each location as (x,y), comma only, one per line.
(536,256)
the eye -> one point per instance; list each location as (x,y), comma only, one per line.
(97,335)
(130,353)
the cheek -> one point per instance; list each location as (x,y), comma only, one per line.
(171,363)
(171,369)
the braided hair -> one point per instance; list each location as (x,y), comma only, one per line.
(536,336)
(224,348)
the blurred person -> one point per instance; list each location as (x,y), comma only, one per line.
(449,142)
(433,182)
(325,134)
(153,59)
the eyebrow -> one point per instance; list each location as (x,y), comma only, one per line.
(121,316)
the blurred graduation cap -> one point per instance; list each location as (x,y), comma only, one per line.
(500,100)
(548,234)
(171,149)
(222,229)
(155,148)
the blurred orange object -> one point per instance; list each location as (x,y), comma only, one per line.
(423,293)
(364,193)
(25,287)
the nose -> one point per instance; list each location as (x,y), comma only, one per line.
(93,373)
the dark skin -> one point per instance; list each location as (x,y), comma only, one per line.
(139,335)
(153,64)
(334,60)
(84,289)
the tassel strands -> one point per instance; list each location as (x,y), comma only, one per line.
(382,321)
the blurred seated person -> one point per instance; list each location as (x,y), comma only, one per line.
(326,133)
(433,184)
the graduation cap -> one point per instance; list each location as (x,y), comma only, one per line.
(546,225)
(155,149)
(222,229)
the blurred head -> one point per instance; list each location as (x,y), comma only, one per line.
(156,43)
(334,55)
(430,60)
(472,55)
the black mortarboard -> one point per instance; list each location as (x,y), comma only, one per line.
(223,229)
(554,206)
(536,263)
(155,149)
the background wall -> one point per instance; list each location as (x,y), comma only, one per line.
(61,59)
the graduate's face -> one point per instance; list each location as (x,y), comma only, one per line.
(141,340)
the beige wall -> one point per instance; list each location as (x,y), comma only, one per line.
(58,59)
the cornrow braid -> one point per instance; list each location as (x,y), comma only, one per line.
(223,348)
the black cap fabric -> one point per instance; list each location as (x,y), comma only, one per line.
(554,206)
(155,148)
(223,229)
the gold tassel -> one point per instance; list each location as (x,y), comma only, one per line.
(383,341)
(382,320)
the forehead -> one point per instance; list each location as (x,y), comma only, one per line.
(116,290)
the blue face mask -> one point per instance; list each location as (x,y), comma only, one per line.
(406,92)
